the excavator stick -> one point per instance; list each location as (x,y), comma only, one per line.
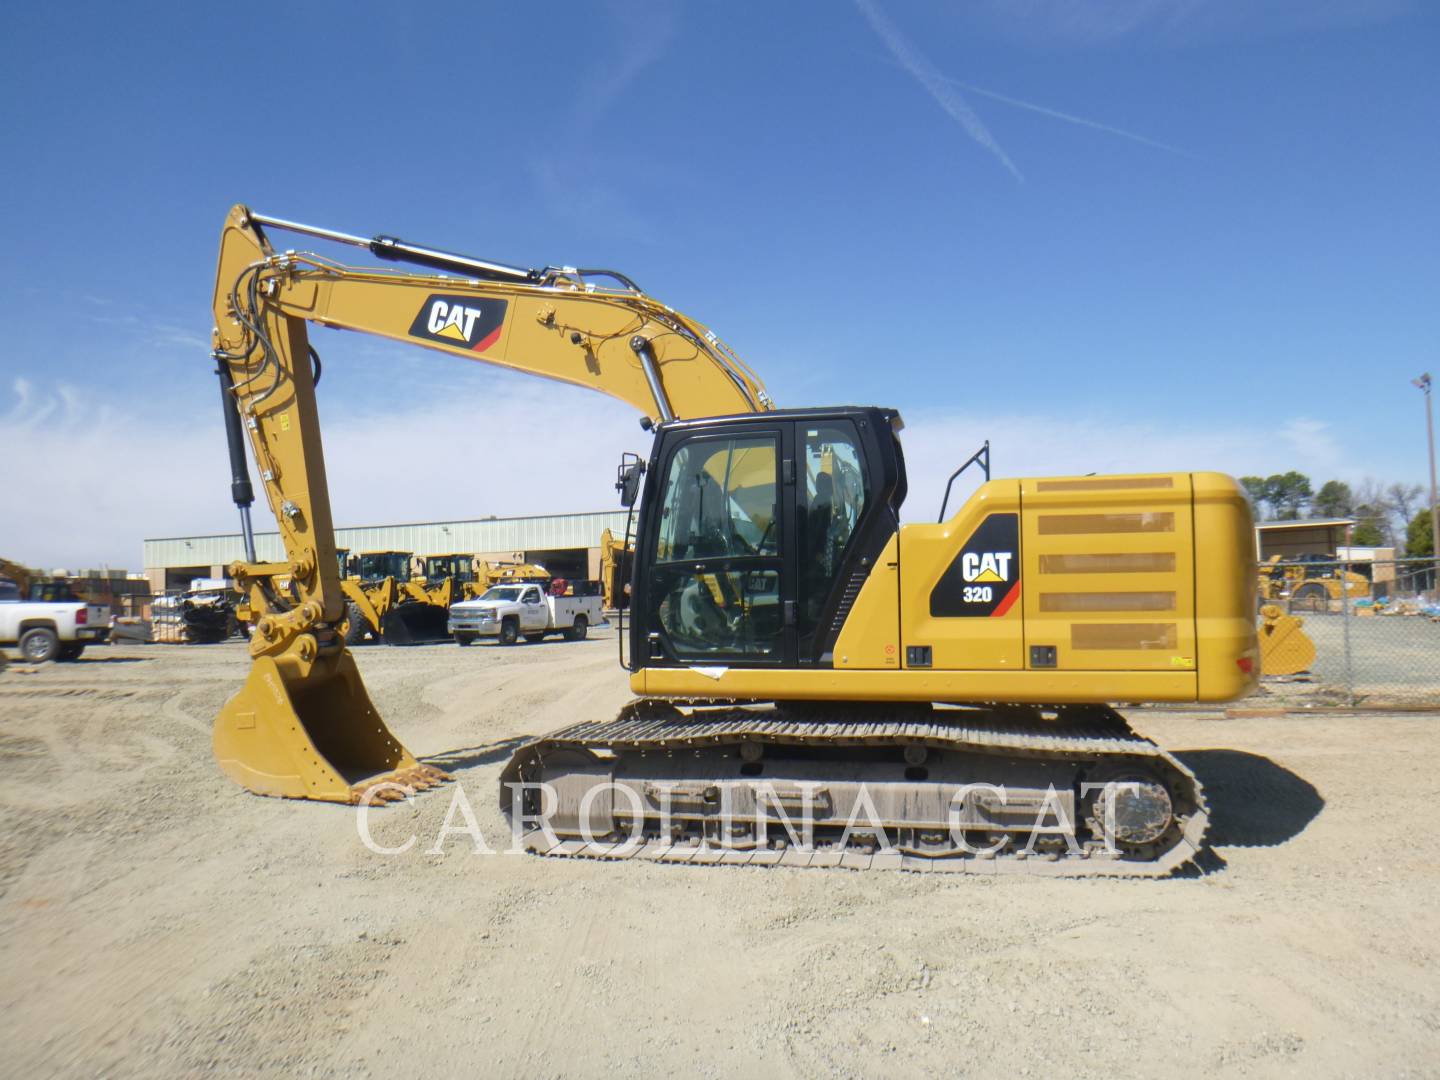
(302,725)
(315,736)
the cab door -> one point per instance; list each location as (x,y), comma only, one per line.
(719,590)
(533,613)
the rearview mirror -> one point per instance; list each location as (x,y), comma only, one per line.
(628,477)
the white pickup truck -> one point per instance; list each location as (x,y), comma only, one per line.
(511,612)
(49,627)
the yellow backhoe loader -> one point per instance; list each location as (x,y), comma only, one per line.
(795,650)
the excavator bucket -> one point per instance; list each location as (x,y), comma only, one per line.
(313,738)
(409,624)
(1285,649)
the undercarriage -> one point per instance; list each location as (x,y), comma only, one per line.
(1065,791)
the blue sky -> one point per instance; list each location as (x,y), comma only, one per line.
(1223,255)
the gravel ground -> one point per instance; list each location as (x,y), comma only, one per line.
(155,919)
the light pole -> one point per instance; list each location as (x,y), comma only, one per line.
(1423,384)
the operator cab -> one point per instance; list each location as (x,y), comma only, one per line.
(756,533)
(378,565)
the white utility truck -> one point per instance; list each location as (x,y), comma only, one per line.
(511,612)
(52,624)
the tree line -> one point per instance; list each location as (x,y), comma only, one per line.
(1393,515)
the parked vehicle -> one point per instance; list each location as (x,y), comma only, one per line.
(510,612)
(51,623)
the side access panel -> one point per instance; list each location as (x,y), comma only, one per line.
(1109,565)
(870,638)
(960,586)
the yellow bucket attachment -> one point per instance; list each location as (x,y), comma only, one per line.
(1285,649)
(313,737)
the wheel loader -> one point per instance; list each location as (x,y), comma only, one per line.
(384,603)
(932,695)
(1311,582)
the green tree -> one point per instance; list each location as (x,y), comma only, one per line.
(1287,493)
(1334,499)
(1419,535)
(1367,531)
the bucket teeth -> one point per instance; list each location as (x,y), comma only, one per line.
(419,778)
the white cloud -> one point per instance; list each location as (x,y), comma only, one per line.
(86,482)
(1312,441)
(935,443)
(1086,23)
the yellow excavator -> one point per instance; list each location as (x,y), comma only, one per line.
(488,574)
(794,649)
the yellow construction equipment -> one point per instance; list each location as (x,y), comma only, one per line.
(437,580)
(385,603)
(488,574)
(615,559)
(20,575)
(444,577)
(1285,649)
(794,647)
(1311,582)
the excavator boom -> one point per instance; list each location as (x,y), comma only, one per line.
(303,725)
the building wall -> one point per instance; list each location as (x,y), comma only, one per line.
(572,534)
(1380,560)
(1290,541)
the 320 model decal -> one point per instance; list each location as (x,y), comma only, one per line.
(983,581)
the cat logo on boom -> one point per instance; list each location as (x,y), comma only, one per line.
(460,321)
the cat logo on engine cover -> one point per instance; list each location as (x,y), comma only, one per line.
(461,321)
(983,580)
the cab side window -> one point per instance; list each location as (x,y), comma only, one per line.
(832,501)
(720,500)
(715,588)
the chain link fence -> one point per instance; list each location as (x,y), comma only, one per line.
(173,617)
(1375,627)
(194,617)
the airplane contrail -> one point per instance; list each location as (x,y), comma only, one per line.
(1058,115)
(940,88)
